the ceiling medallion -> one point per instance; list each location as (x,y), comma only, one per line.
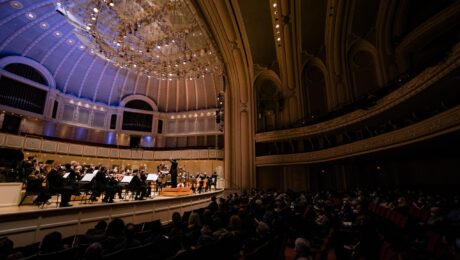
(162,38)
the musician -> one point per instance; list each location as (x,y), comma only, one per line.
(138,185)
(173,172)
(58,184)
(193,183)
(213,181)
(100,184)
(34,184)
(161,178)
(111,189)
(200,178)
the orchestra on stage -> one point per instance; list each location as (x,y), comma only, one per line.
(93,183)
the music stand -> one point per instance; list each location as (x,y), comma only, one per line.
(86,179)
(152,177)
(126,179)
(125,182)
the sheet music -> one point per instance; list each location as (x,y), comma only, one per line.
(88,177)
(66,175)
(152,177)
(127,179)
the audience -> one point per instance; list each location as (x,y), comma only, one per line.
(356,224)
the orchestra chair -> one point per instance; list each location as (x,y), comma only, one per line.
(28,192)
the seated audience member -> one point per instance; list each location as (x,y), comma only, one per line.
(115,236)
(6,247)
(52,242)
(93,252)
(97,233)
(302,249)
(130,233)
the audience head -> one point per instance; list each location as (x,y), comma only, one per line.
(102,225)
(94,251)
(116,228)
(234,223)
(176,218)
(302,246)
(194,220)
(51,242)
(6,246)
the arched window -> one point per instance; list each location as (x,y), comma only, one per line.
(27,72)
(139,104)
(136,121)
(14,93)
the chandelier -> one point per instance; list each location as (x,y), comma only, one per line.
(162,38)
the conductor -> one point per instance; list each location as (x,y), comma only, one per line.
(173,172)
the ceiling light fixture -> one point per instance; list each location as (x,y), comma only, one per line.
(155,35)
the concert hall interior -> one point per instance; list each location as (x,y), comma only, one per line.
(233,129)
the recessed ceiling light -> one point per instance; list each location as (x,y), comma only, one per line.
(57,34)
(70,41)
(16,4)
(81,47)
(44,25)
(31,16)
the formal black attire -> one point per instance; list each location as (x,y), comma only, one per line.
(173,172)
(58,184)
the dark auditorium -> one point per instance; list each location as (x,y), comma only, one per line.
(230,129)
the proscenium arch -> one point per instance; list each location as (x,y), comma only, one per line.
(27,61)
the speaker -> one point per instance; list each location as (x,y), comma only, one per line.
(134,141)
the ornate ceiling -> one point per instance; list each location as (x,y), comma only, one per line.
(37,30)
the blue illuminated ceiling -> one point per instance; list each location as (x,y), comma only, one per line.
(34,29)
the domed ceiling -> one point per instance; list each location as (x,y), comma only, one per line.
(183,71)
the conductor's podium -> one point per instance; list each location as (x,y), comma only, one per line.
(178,191)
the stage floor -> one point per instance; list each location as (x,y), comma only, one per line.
(77,201)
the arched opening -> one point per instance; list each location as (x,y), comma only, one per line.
(268,104)
(314,92)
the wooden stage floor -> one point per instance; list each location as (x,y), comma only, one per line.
(78,201)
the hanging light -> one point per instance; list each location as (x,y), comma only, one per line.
(154,35)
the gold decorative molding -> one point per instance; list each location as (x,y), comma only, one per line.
(411,88)
(440,124)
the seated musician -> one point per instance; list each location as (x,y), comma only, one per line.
(58,184)
(34,184)
(100,183)
(112,188)
(193,183)
(138,185)
(159,181)
(206,181)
